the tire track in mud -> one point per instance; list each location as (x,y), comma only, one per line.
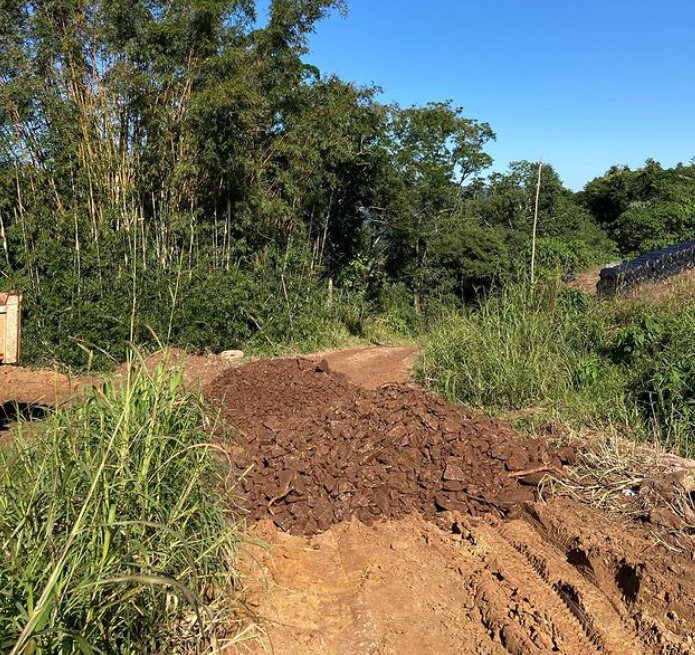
(533,601)
(520,608)
(648,586)
(413,588)
(608,628)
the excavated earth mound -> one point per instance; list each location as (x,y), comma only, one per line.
(320,450)
(467,563)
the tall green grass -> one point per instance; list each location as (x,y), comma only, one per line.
(511,351)
(113,534)
(545,352)
(539,353)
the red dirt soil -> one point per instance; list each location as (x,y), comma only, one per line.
(323,450)
(50,388)
(466,562)
(38,387)
(559,578)
(372,367)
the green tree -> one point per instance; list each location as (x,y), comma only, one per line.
(645,209)
(569,238)
(434,151)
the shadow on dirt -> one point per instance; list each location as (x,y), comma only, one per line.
(11,412)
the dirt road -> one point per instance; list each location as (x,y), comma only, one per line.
(411,588)
(372,367)
(37,387)
(519,577)
(399,524)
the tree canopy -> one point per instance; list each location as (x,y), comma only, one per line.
(644,209)
(177,167)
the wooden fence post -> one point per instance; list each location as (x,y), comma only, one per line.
(535,225)
(10,327)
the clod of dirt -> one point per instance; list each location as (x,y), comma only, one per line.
(323,366)
(324,450)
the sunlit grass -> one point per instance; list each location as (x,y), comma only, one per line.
(544,353)
(113,534)
(510,352)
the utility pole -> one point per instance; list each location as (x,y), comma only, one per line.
(535,224)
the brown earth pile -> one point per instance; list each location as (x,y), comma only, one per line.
(322,450)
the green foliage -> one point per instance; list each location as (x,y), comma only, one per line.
(558,353)
(568,238)
(631,341)
(178,168)
(645,209)
(656,225)
(659,355)
(197,179)
(200,309)
(468,258)
(113,536)
(434,150)
(511,352)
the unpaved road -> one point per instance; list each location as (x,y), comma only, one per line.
(546,577)
(551,577)
(369,367)
(411,588)
(37,387)
(373,367)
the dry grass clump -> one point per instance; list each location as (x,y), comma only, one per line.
(629,478)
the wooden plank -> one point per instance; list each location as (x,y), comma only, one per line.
(3,331)
(10,327)
(14,328)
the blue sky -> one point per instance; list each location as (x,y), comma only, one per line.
(582,84)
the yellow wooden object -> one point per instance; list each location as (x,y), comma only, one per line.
(10,326)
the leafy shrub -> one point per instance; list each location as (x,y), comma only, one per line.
(663,380)
(258,307)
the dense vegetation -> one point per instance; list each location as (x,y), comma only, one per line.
(113,537)
(646,209)
(545,353)
(541,354)
(176,168)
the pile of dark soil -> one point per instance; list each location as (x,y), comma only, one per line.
(322,450)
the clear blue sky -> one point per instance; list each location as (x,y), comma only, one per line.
(583,84)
